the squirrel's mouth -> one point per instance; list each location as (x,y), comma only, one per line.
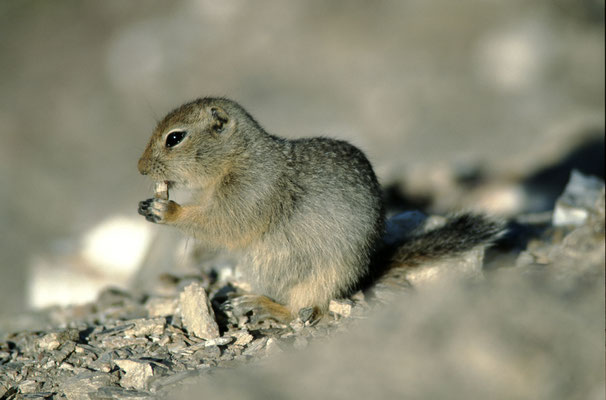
(173,184)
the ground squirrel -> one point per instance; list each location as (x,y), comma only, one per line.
(307,213)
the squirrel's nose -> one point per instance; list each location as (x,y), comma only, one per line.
(143,166)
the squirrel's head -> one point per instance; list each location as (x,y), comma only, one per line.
(197,143)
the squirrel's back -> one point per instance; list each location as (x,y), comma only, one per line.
(332,225)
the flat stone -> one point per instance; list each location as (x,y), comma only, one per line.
(256,347)
(176,346)
(136,373)
(29,386)
(242,338)
(146,327)
(64,352)
(197,313)
(100,366)
(66,367)
(116,342)
(207,353)
(81,386)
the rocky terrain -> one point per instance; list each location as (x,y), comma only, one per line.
(161,341)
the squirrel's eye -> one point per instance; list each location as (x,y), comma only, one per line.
(174,138)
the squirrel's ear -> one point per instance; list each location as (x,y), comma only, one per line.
(220,119)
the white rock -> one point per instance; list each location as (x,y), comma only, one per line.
(580,197)
(340,307)
(136,373)
(49,342)
(220,341)
(196,312)
(161,190)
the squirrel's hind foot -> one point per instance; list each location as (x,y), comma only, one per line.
(258,308)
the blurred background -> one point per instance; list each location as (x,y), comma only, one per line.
(443,96)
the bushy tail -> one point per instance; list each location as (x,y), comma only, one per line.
(459,234)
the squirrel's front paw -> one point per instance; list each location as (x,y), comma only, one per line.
(159,211)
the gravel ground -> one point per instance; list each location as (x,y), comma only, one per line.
(498,92)
(532,328)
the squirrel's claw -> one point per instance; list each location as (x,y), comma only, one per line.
(156,210)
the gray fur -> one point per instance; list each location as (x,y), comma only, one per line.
(307,213)
(460,233)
